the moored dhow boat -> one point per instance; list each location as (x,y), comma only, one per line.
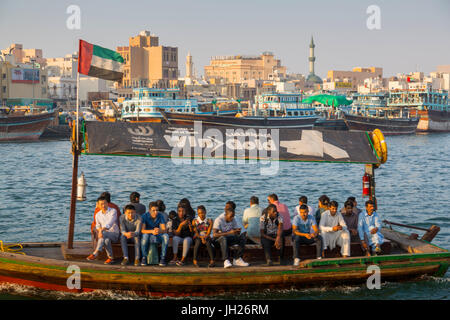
(49,266)
(18,126)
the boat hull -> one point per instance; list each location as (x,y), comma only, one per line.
(433,121)
(47,269)
(387,126)
(243,122)
(24,128)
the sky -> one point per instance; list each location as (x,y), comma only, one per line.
(413,35)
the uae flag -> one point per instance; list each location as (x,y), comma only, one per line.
(99,62)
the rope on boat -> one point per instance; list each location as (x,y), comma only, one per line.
(12,248)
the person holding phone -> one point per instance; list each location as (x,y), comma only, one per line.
(226,232)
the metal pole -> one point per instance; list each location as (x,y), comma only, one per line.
(75,150)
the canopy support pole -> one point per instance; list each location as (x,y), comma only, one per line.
(76,152)
(370,170)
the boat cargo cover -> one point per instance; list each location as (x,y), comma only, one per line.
(160,139)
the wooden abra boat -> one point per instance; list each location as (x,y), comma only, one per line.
(14,127)
(394,126)
(46,265)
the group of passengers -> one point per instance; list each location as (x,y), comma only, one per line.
(325,227)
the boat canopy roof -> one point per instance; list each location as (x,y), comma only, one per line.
(161,139)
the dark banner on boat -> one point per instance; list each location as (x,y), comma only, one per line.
(200,141)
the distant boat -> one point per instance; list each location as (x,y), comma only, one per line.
(20,127)
(370,111)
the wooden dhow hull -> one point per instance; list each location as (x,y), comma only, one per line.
(24,128)
(243,122)
(51,273)
(387,126)
(433,121)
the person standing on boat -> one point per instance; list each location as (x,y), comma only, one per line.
(287,225)
(130,231)
(134,201)
(323,205)
(107,230)
(203,228)
(305,231)
(154,230)
(226,233)
(251,217)
(351,216)
(334,230)
(182,232)
(369,226)
(271,230)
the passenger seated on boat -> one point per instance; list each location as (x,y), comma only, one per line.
(271,229)
(182,232)
(284,213)
(106,228)
(185,203)
(107,196)
(251,217)
(202,235)
(334,230)
(154,231)
(172,215)
(130,232)
(305,231)
(350,216)
(162,209)
(134,201)
(226,232)
(355,208)
(302,200)
(369,227)
(324,202)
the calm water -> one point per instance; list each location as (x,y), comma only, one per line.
(413,187)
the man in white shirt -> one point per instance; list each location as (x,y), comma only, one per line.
(107,230)
(251,217)
(226,232)
(334,230)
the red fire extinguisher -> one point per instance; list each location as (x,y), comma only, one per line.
(366,185)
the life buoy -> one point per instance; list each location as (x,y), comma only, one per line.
(265,105)
(172,109)
(379,144)
(383,144)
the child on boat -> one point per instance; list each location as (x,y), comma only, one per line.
(202,229)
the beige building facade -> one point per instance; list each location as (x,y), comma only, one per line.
(18,82)
(236,69)
(356,77)
(147,64)
(22,55)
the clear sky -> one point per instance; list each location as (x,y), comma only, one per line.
(414,34)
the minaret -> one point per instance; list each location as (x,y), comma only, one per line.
(312,58)
(189,66)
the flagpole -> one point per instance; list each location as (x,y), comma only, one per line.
(75,151)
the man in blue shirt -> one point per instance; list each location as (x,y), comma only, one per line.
(369,226)
(302,225)
(154,231)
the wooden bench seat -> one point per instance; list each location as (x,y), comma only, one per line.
(252,252)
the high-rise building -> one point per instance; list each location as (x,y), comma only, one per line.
(147,64)
(236,69)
